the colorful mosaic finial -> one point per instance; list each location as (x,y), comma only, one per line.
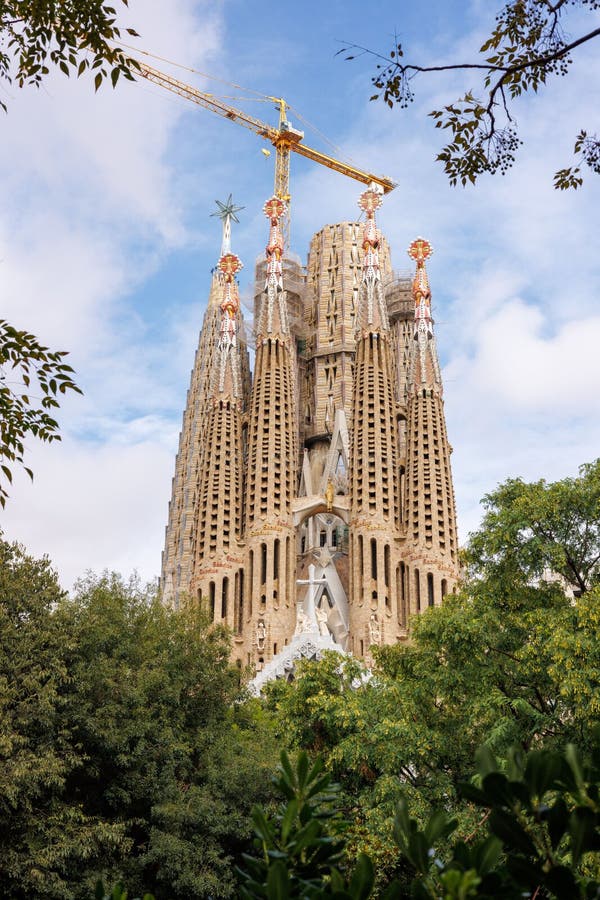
(428,370)
(274,210)
(369,201)
(273,315)
(373,313)
(420,250)
(229,265)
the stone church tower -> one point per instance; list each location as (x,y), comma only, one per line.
(312,505)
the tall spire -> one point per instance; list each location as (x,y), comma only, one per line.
(181,533)
(374,521)
(429,506)
(229,364)
(272,463)
(217,559)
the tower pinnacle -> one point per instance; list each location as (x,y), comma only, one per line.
(226,212)
(420,250)
(229,265)
(273,318)
(373,312)
(272,464)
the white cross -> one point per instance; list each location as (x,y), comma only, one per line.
(313,583)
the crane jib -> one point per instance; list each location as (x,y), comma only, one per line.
(284,138)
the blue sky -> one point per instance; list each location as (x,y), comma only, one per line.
(106,246)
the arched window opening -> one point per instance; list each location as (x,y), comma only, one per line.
(430,596)
(239,617)
(250,581)
(263,563)
(224,598)
(402,589)
(211,600)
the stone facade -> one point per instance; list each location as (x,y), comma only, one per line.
(332,461)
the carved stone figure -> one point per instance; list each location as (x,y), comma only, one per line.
(374,629)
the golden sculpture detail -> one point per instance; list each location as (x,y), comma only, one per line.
(329,495)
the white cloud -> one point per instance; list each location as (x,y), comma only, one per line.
(94,505)
(520,368)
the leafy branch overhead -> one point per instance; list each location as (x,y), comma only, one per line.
(27,370)
(78,37)
(527,46)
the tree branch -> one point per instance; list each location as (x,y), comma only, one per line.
(537,61)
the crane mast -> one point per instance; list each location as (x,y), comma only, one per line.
(284,138)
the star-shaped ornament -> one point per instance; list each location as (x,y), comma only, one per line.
(227,210)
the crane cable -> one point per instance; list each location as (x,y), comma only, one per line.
(177,65)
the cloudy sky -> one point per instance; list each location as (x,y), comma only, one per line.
(106,246)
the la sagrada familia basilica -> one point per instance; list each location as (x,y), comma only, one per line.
(312,504)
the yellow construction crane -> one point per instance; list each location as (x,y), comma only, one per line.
(284,138)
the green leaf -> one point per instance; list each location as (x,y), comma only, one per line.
(487,855)
(302,769)
(506,827)
(439,827)
(363,878)
(541,771)
(557,820)
(278,883)
(497,790)
(289,816)
(583,827)
(574,761)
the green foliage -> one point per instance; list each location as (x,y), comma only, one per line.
(543,817)
(535,529)
(527,46)
(25,367)
(123,752)
(73,37)
(303,845)
(485,667)
(42,839)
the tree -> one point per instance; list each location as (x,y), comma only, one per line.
(43,840)
(542,836)
(26,366)
(123,752)
(538,529)
(526,48)
(72,36)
